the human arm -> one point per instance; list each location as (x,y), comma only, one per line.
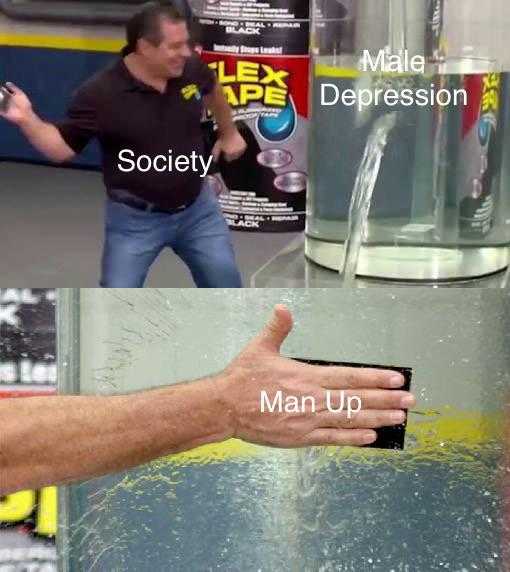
(43,136)
(230,142)
(61,439)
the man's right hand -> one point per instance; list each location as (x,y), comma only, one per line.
(19,108)
(45,137)
(261,367)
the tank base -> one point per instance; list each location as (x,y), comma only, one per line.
(413,263)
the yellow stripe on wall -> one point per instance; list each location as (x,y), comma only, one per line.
(63,43)
(322,70)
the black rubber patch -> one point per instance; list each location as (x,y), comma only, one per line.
(387,437)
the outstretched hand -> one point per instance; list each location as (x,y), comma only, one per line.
(260,367)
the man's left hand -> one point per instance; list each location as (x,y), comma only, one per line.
(232,145)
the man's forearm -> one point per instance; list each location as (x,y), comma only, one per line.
(218,105)
(46,138)
(55,440)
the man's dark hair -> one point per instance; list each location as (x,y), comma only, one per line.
(146,23)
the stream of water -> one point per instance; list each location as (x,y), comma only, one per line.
(362,197)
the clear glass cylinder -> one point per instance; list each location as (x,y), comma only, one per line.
(440,207)
(234,506)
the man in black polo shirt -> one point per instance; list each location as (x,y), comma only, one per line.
(146,111)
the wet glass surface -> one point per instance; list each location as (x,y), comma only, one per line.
(234,506)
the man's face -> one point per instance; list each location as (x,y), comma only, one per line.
(169,58)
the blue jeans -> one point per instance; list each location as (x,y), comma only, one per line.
(199,235)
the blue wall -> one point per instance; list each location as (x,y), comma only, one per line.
(49,77)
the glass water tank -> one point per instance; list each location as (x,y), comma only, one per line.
(440,202)
(434,506)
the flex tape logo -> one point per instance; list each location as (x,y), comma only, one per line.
(491,93)
(8,315)
(190,90)
(490,107)
(27,506)
(250,82)
(11,300)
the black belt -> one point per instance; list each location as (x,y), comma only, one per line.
(130,200)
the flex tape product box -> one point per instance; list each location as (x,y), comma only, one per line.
(28,519)
(27,337)
(259,51)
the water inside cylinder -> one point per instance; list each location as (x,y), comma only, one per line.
(428,155)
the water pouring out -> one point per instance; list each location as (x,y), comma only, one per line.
(364,186)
